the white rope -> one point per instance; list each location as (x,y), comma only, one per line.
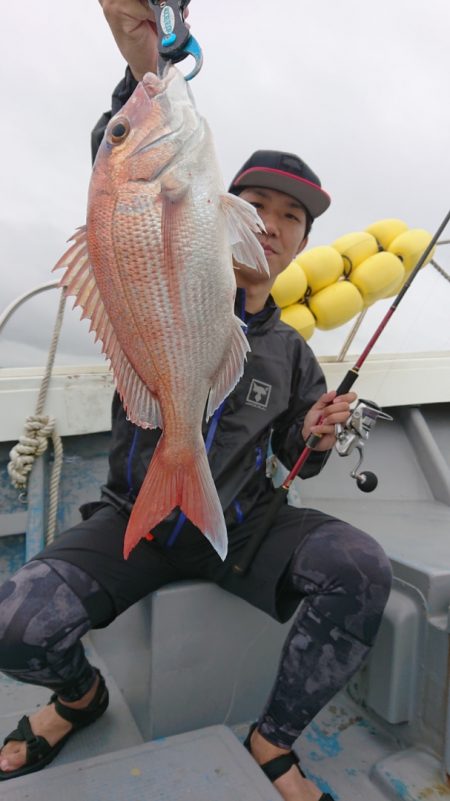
(32,443)
(54,487)
(34,440)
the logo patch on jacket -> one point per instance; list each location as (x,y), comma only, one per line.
(259,394)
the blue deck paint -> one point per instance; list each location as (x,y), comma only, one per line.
(401,789)
(12,555)
(84,470)
(37,507)
(323,785)
(328,744)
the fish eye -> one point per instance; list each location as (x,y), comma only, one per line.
(119,131)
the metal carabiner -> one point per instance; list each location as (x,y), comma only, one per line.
(175,41)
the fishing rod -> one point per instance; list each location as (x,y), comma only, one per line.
(346,384)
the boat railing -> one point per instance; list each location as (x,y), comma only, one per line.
(12,307)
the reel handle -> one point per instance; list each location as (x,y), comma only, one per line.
(366,481)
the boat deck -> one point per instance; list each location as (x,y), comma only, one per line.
(344,750)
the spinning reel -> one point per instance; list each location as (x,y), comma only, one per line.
(354,434)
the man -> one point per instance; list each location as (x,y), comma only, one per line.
(341,574)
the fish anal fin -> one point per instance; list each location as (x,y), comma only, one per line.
(231,370)
(243,224)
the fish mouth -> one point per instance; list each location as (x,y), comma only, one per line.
(153,84)
(156,87)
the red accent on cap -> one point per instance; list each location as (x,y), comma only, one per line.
(307,192)
(282,172)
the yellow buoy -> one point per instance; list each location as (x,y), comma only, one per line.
(409,247)
(385,231)
(378,276)
(299,317)
(355,248)
(322,266)
(335,305)
(290,286)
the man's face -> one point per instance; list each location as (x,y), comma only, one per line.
(285,221)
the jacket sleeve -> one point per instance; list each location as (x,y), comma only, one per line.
(308,384)
(121,94)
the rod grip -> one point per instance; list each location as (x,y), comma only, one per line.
(255,541)
(347,382)
(311,443)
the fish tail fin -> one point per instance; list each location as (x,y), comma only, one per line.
(171,482)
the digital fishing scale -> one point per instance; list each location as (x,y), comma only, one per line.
(175,41)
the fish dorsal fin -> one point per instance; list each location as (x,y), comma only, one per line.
(243,224)
(231,370)
(141,405)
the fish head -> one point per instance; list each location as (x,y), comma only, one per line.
(151,132)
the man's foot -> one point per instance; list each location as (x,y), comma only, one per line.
(46,723)
(292,786)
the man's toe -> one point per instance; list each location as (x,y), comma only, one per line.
(12,756)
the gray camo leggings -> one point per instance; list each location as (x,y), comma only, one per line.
(344,587)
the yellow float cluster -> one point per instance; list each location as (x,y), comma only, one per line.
(327,286)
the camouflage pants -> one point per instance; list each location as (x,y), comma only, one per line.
(342,577)
(41,622)
(345,581)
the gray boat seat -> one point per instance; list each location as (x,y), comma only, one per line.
(192,655)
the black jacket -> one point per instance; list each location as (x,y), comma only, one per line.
(281,381)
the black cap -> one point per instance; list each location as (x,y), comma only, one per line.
(285,172)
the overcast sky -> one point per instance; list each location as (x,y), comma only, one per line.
(359,89)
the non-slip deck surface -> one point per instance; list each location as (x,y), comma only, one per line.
(115,730)
(206,765)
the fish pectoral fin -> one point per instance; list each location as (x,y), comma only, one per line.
(141,405)
(243,224)
(231,369)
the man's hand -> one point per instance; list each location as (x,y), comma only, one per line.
(333,410)
(133,26)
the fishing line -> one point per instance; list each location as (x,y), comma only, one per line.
(238,670)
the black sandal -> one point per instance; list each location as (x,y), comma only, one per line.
(280,765)
(39,751)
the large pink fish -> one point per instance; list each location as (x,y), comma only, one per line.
(153,271)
